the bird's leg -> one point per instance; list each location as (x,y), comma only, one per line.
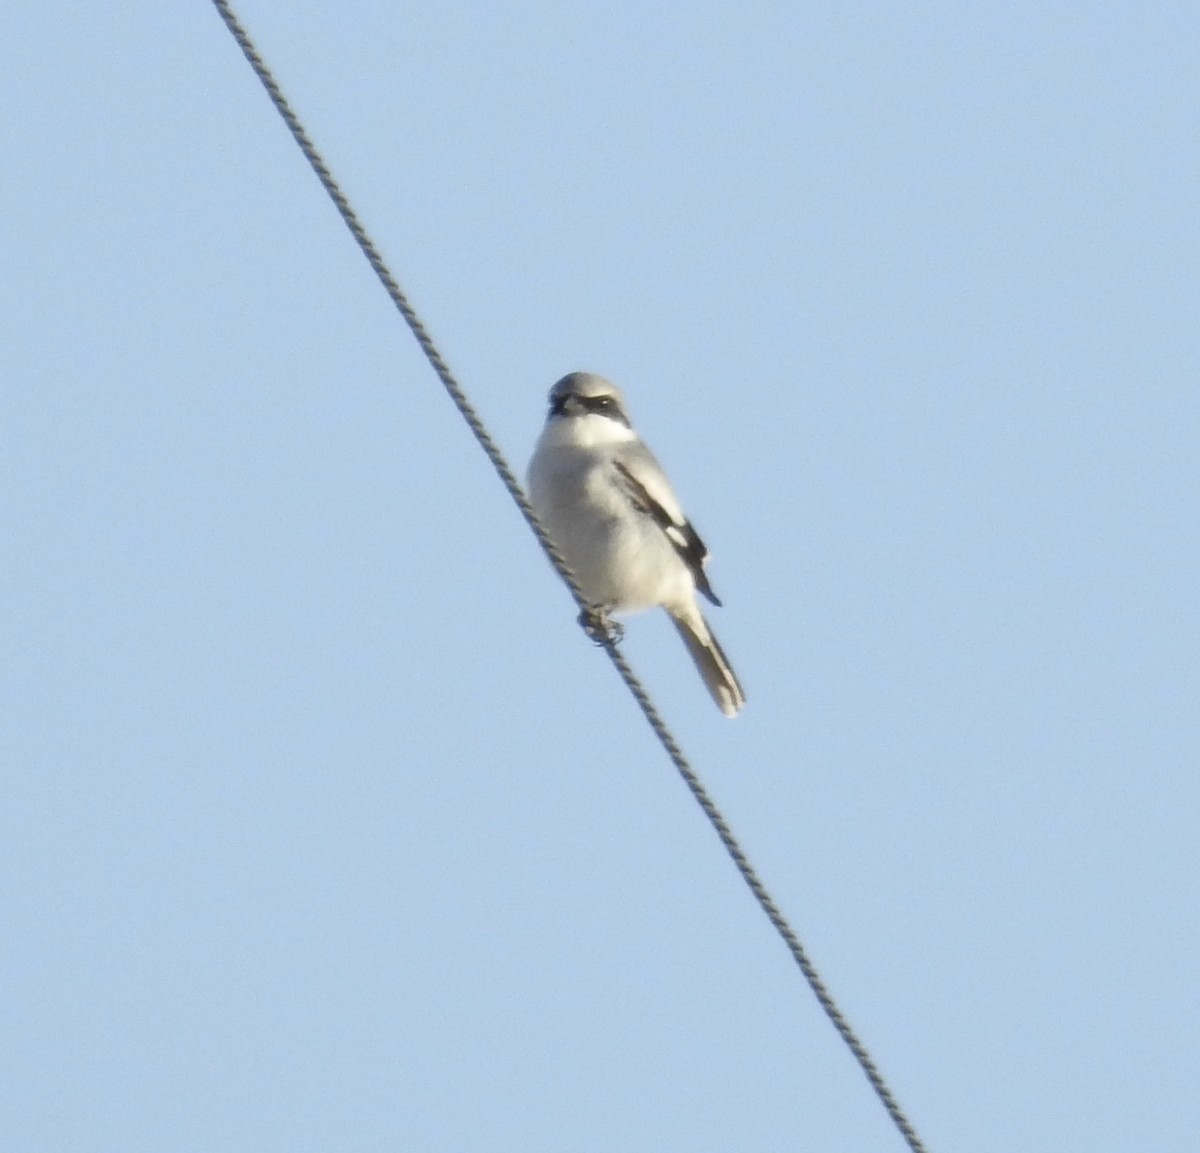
(596,623)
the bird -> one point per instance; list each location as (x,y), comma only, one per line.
(607,504)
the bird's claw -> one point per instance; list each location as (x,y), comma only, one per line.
(598,626)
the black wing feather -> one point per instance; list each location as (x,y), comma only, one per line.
(684,539)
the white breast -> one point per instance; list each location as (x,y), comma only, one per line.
(620,557)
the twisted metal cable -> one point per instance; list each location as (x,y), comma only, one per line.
(607,642)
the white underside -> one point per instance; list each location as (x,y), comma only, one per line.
(620,557)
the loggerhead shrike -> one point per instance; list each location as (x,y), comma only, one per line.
(609,507)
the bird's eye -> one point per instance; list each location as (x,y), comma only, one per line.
(604,402)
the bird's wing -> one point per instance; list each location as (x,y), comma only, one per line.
(644,482)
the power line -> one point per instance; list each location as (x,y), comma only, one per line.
(608,642)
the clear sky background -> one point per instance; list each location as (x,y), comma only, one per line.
(323,827)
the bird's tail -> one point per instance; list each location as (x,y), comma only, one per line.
(719,677)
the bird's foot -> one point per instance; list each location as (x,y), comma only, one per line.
(603,631)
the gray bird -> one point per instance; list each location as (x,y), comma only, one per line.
(607,504)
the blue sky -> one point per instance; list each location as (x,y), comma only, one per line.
(323,826)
